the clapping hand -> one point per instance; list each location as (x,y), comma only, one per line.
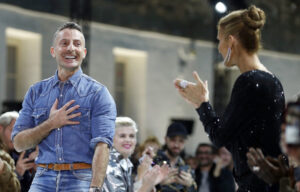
(267,168)
(185,178)
(194,93)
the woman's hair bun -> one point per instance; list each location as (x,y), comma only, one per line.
(254,17)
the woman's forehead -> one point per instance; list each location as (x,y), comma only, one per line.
(125,129)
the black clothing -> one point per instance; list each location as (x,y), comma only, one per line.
(251,119)
(223,183)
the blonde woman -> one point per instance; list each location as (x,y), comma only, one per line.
(252,117)
(119,169)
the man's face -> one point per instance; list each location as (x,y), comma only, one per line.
(69,49)
(175,145)
(6,134)
(204,156)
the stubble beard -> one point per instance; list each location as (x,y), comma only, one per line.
(171,153)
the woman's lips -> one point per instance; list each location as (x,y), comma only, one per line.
(126,146)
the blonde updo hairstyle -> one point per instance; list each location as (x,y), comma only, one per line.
(245,25)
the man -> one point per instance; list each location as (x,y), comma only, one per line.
(180,177)
(209,177)
(25,168)
(71,117)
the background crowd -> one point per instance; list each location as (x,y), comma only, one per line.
(165,166)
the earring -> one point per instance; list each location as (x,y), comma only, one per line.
(228,55)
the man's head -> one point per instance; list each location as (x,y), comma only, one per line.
(205,154)
(175,139)
(7,122)
(68,46)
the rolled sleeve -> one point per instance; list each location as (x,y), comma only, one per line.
(103,118)
(25,119)
(97,140)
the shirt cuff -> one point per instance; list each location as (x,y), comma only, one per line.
(205,112)
(97,140)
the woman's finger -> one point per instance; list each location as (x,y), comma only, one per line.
(197,78)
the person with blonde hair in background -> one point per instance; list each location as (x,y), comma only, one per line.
(252,117)
(8,178)
(119,171)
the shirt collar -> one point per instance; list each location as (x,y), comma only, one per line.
(124,162)
(73,79)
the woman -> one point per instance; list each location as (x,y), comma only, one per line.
(252,117)
(118,174)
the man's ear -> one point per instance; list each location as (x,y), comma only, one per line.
(52,52)
(85,52)
(1,128)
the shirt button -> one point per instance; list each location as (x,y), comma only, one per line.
(58,129)
(60,159)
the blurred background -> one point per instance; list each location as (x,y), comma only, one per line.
(137,48)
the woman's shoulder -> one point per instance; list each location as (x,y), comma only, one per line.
(256,79)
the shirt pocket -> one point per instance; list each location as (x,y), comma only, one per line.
(39,115)
(84,119)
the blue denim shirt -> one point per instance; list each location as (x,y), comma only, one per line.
(70,143)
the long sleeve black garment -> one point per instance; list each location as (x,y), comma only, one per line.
(251,119)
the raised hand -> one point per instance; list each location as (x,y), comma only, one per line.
(194,93)
(149,151)
(62,116)
(171,178)
(144,167)
(24,164)
(267,168)
(185,178)
(153,177)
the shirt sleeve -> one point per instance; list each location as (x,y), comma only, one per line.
(25,119)
(103,118)
(241,106)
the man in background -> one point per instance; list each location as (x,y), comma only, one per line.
(181,175)
(209,177)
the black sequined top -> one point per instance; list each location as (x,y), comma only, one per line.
(251,119)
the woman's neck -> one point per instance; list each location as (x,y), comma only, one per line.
(247,62)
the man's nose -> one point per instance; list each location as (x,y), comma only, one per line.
(70,47)
(176,144)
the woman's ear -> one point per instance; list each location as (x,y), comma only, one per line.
(230,41)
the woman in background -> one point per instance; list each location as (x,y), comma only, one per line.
(119,169)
